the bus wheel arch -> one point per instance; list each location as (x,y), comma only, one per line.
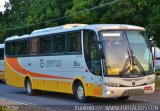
(79,91)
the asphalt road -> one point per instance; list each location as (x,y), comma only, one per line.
(65,102)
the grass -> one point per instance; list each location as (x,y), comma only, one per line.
(158,72)
(157,80)
(7,108)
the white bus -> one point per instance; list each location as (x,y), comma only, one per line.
(156,55)
(102,60)
(2,76)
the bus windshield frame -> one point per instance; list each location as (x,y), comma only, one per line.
(130,54)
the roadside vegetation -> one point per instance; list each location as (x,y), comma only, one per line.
(28,15)
(157,83)
(157,80)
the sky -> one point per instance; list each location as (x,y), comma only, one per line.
(2,4)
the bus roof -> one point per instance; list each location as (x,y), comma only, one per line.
(1,45)
(74,27)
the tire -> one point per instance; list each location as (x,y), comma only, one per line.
(79,93)
(28,86)
(123,98)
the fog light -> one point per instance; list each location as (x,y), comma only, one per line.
(108,92)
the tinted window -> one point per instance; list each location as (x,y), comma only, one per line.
(74,42)
(91,52)
(8,48)
(14,48)
(32,48)
(1,53)
(59,44)
(22,47)
(45,45)
(89,39)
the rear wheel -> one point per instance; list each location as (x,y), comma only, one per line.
(79,93)
(28,87)
(123,98)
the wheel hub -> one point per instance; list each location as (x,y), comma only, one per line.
(29,87)
(80,92)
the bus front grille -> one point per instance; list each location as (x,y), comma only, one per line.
(132,92)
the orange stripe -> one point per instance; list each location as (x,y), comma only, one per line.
(13,62)
(1,71)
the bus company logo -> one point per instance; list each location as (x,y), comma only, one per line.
(41,63)
(133,83)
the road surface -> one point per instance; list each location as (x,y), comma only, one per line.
(65,102)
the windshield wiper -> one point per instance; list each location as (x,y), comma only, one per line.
(130,63)
(136,62)
(126,66)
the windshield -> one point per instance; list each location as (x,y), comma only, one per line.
(127,53)
(140,49)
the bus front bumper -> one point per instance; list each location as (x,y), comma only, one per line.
(111,92)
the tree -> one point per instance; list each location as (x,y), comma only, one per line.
(36,14)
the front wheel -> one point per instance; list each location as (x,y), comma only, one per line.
(28,87)
(123,98)
(79,93)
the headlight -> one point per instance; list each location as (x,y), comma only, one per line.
(112,84)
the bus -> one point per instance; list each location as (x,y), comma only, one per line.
(98,60)
(2,76)
(156,55)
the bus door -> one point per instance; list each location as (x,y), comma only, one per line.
(95,69)
(93,61)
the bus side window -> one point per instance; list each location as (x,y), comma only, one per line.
(45,45)
(22,47)
(74,42)
(32,48)
(59,44)
(1,54)
(14,48)
(91,52)
(8,48)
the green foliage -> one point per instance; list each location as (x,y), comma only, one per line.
(145,13)
(7,108)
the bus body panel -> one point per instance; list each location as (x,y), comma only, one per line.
(13,77)
(65,84)
(53,73)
